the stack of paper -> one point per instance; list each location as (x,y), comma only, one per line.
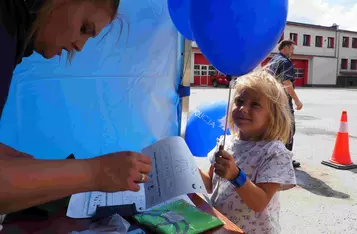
(174,175)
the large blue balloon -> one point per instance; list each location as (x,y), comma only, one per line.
(237,35)
(204,126)
(179,11)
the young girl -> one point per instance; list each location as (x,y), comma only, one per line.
(254,166)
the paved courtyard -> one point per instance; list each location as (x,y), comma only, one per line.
(325,200)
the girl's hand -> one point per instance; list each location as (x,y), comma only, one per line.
(225,165)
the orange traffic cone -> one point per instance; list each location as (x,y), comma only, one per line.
(341,157)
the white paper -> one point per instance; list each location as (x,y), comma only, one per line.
(128,197)
(84,205)
(174,175)
(174,171)
(97,199)
(79,204)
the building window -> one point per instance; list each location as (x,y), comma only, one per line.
(294,37)
(197,70)
(345,42)
(344,64)
(204,70)
(299,73)
(318,41)
(307,40)
(331,42)
(354,64)
(354,43)
(212,71)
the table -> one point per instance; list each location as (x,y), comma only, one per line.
(61,224)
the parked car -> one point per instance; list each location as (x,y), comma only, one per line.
(219,79)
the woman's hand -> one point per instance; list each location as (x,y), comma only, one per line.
(225,165)
(120,171)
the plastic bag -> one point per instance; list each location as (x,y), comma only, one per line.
(112,225)
(2,218)
(178,217)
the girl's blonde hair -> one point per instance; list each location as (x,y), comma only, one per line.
(280,119)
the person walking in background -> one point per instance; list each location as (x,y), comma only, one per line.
(282,68)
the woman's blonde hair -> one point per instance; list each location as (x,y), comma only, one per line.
(280,119)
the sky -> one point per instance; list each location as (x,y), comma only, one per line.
(325,12)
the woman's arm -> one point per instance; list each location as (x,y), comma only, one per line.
(29,182)
(11,152)
(207,179)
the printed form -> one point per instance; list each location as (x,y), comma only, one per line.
(174,175)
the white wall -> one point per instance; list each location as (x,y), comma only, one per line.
(346,53)
(313,32)
(324,63)
(309,50)
(323,71)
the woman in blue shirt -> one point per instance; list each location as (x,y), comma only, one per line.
(48,27)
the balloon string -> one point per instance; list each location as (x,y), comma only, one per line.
(227,112)
(221,147)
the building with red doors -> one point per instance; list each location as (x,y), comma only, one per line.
(324,56)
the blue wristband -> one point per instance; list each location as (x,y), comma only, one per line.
(240,180)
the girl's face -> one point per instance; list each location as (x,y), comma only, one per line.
(69,27)
(250,114)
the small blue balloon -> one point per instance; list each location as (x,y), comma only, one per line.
(179,11)
(237,35)
(204,126)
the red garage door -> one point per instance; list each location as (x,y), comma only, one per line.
(202,70)
(301,71)
(301,67)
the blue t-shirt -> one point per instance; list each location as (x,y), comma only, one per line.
(282,68)
(15,22)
